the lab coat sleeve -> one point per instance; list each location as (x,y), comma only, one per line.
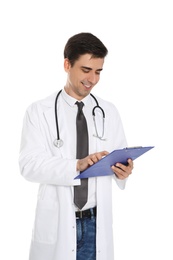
(120,183)
(36,162)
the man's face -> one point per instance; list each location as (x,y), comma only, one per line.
(83,76)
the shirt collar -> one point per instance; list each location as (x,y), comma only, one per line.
(71,101)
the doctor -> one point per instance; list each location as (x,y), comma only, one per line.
(61,230)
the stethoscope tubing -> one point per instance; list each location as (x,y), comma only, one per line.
(97,106)
(58,142)
(56,115)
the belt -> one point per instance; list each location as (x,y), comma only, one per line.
(88,213)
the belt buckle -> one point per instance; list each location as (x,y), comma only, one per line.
(80,213)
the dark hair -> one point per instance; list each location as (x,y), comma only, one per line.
(84,43)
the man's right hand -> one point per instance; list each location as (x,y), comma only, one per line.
(83,164)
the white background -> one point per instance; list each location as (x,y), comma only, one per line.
(137,78)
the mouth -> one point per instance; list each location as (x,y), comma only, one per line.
(86,84)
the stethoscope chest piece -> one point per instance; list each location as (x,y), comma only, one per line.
(58,143)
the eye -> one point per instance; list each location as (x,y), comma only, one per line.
(86,70)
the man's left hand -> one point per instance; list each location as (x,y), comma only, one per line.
(123,171)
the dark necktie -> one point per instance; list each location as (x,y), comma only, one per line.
(81,191)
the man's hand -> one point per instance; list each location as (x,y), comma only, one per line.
(122,171)
(84,163)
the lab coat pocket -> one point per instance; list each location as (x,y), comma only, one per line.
(46,221)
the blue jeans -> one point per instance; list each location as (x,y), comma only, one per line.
(86,238)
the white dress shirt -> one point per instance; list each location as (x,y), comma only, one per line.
(70,108)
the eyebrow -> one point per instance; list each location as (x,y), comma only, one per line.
(88,68)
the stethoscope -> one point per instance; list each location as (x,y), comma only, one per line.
(59,142)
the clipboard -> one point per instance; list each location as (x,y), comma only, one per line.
(103,166)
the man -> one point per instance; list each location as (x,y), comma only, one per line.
(63,230)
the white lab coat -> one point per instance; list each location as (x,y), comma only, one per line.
(54,232)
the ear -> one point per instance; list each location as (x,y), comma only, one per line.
(67,64)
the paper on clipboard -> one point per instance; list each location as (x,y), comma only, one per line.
(103,167)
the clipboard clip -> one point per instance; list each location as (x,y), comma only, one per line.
(133,147)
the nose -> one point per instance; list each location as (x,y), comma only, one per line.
(93,77)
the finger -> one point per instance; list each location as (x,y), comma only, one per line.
(90,162)
(97,156)
(121,166)
(103,153)
(122,176)
(126,168)
(92,159)
(130,163)
(120,173)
